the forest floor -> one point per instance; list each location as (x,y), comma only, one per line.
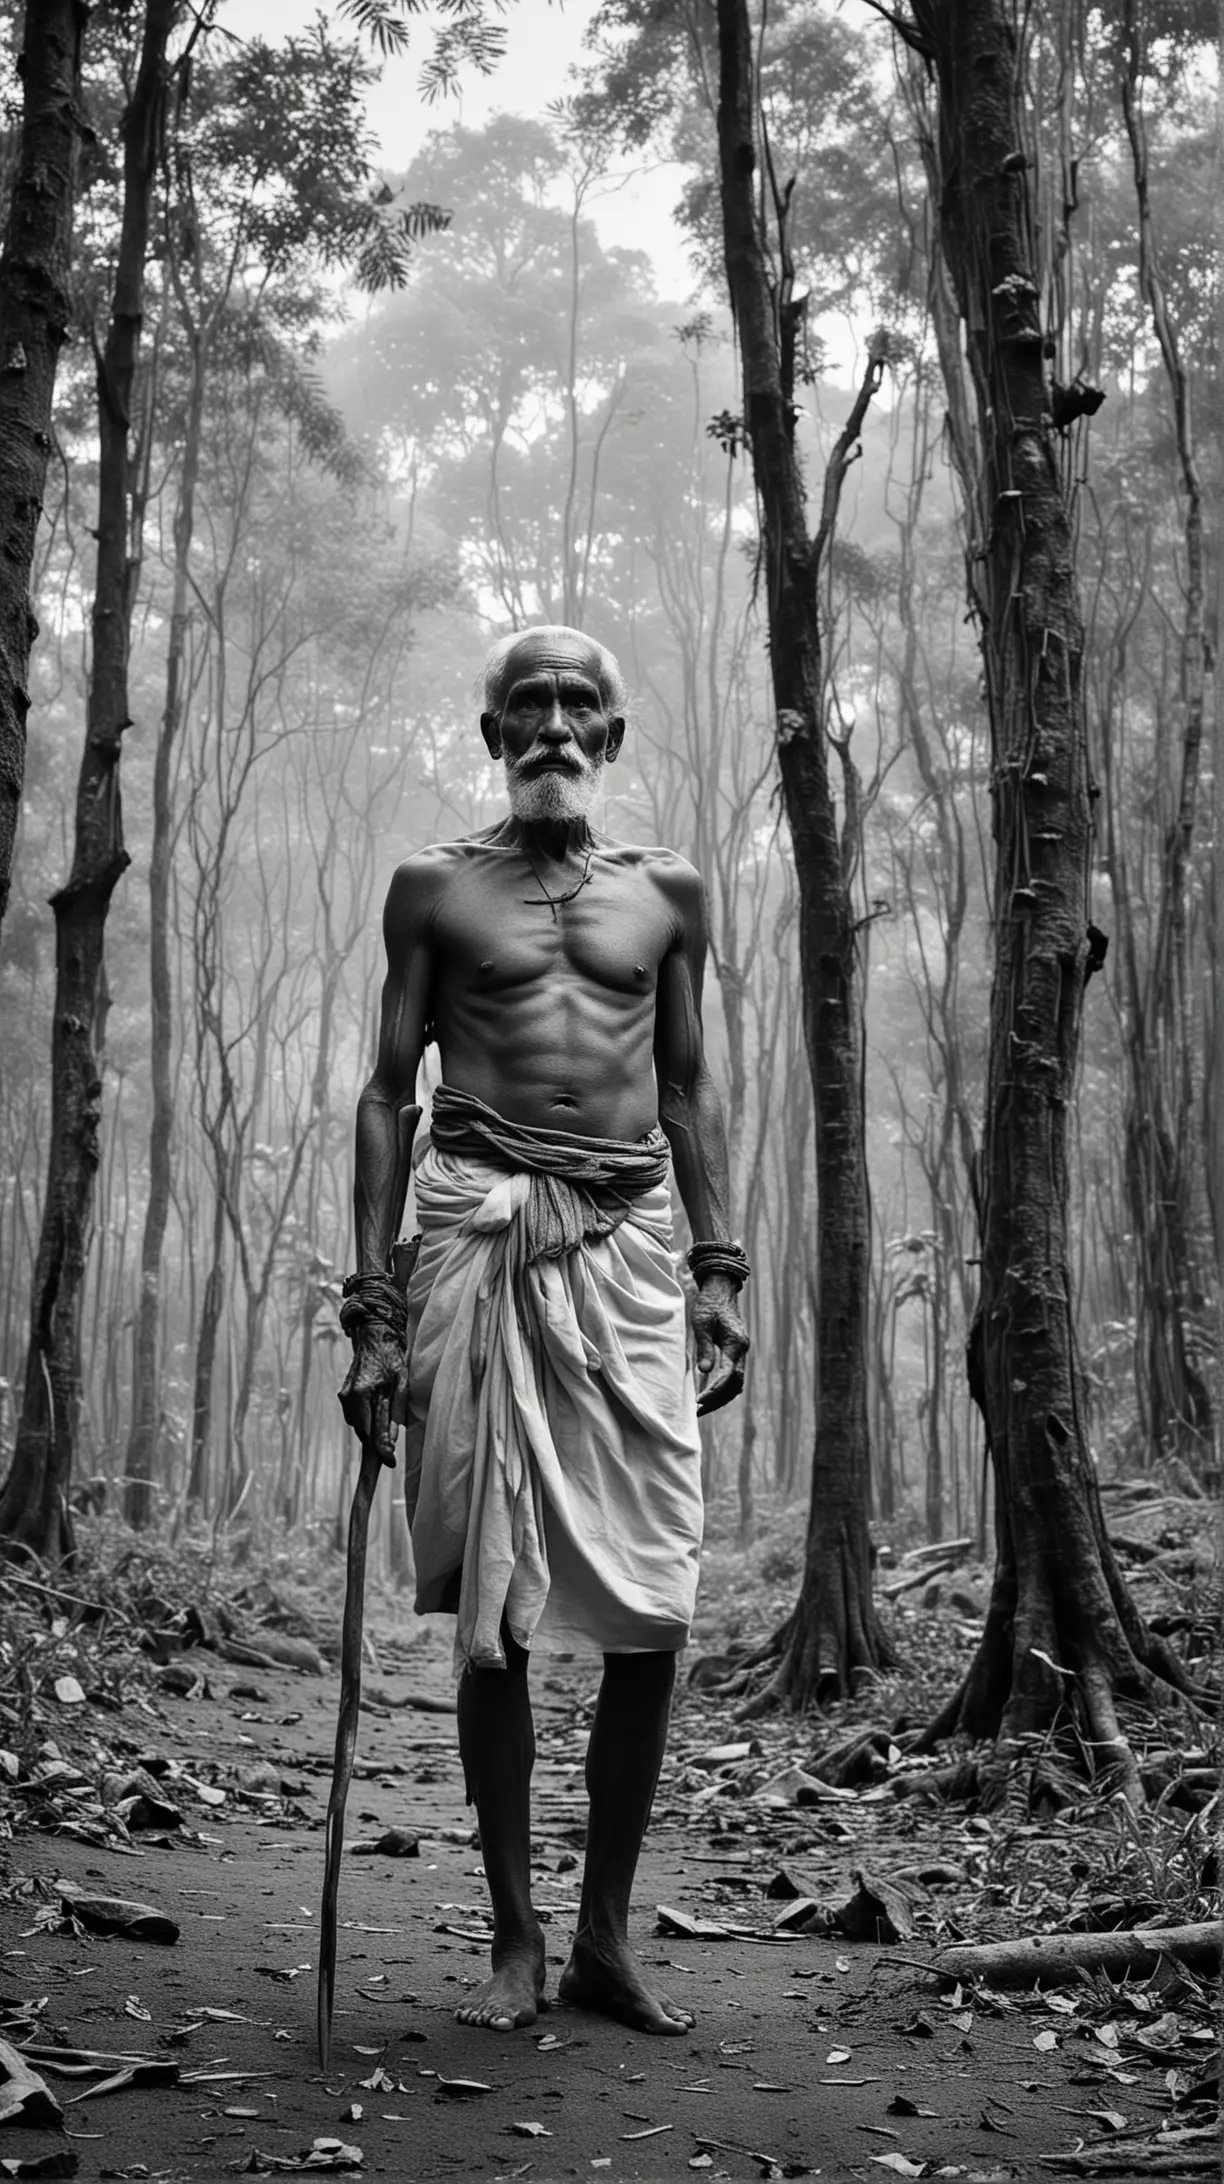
(812,2054)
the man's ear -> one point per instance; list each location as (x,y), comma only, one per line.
(490,729)
(616,736)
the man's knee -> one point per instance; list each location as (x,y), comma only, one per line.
(643,1672)
(478,1678)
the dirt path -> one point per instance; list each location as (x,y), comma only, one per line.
(797,2054)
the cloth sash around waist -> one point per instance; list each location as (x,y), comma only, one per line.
(580,1187)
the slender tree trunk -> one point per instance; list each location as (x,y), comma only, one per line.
(1168,1209)
(212,1306)
(35,305)
(1061,1626)
(34,1510)
(146,1373)
(833,1639)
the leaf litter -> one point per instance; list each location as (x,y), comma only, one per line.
(804,1820)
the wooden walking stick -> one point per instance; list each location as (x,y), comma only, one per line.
(403,1257)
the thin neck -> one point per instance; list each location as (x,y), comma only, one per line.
(548,841)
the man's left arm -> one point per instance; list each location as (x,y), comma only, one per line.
(690,1113)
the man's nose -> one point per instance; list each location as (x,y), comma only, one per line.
(555,725)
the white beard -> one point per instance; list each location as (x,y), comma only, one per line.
(553,796)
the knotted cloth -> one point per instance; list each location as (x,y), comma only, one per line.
(553,1461)
(580,1187)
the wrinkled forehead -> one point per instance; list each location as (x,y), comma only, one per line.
(551,652)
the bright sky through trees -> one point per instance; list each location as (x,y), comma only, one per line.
(543,42)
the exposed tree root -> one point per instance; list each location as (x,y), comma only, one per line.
(832,1644)
(1064,1646)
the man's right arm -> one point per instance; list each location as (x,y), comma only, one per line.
(407,932)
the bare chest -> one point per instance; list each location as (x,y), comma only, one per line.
(503,926)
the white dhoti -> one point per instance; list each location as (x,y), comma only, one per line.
(553,1464)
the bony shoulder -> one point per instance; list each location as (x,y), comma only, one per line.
(431,863)
(674,872)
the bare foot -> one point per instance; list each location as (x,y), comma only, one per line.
(608,1977)
(514,1994)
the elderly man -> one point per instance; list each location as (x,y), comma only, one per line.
(553,1462)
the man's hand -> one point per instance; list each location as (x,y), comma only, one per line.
(369,1397)
(721,1342)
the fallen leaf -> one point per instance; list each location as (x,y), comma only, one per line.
(64,2162)
(1045,2041)
(655,2130)
(353,2113)
(68,1691)
(902,2105)
(24,2098)
(839,2055)
(529,2130)
(115,1915)
(462,2089)
(701,2161)
(686,1928)
(151,2073)
(1112,2118)
(206,1791)
(900,2164)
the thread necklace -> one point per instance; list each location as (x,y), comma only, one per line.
(555,901)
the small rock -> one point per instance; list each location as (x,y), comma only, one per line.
(260,1778)
(392,1843)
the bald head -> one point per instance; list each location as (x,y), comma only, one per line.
(551,648)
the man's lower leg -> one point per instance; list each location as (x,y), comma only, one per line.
(628,1738)
(497,1742)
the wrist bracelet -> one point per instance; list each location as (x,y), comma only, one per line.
(373,1297)
(728,1259)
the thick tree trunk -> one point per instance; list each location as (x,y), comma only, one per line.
(34,1510)
(1061,1631)
(35,305)
(833,1638)
(146,1363)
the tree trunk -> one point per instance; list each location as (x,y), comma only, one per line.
(1171,1295)
(213,1305)
(1061,1630)
(35,305)
(833,1639)
(146,1371)
(34,1510)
